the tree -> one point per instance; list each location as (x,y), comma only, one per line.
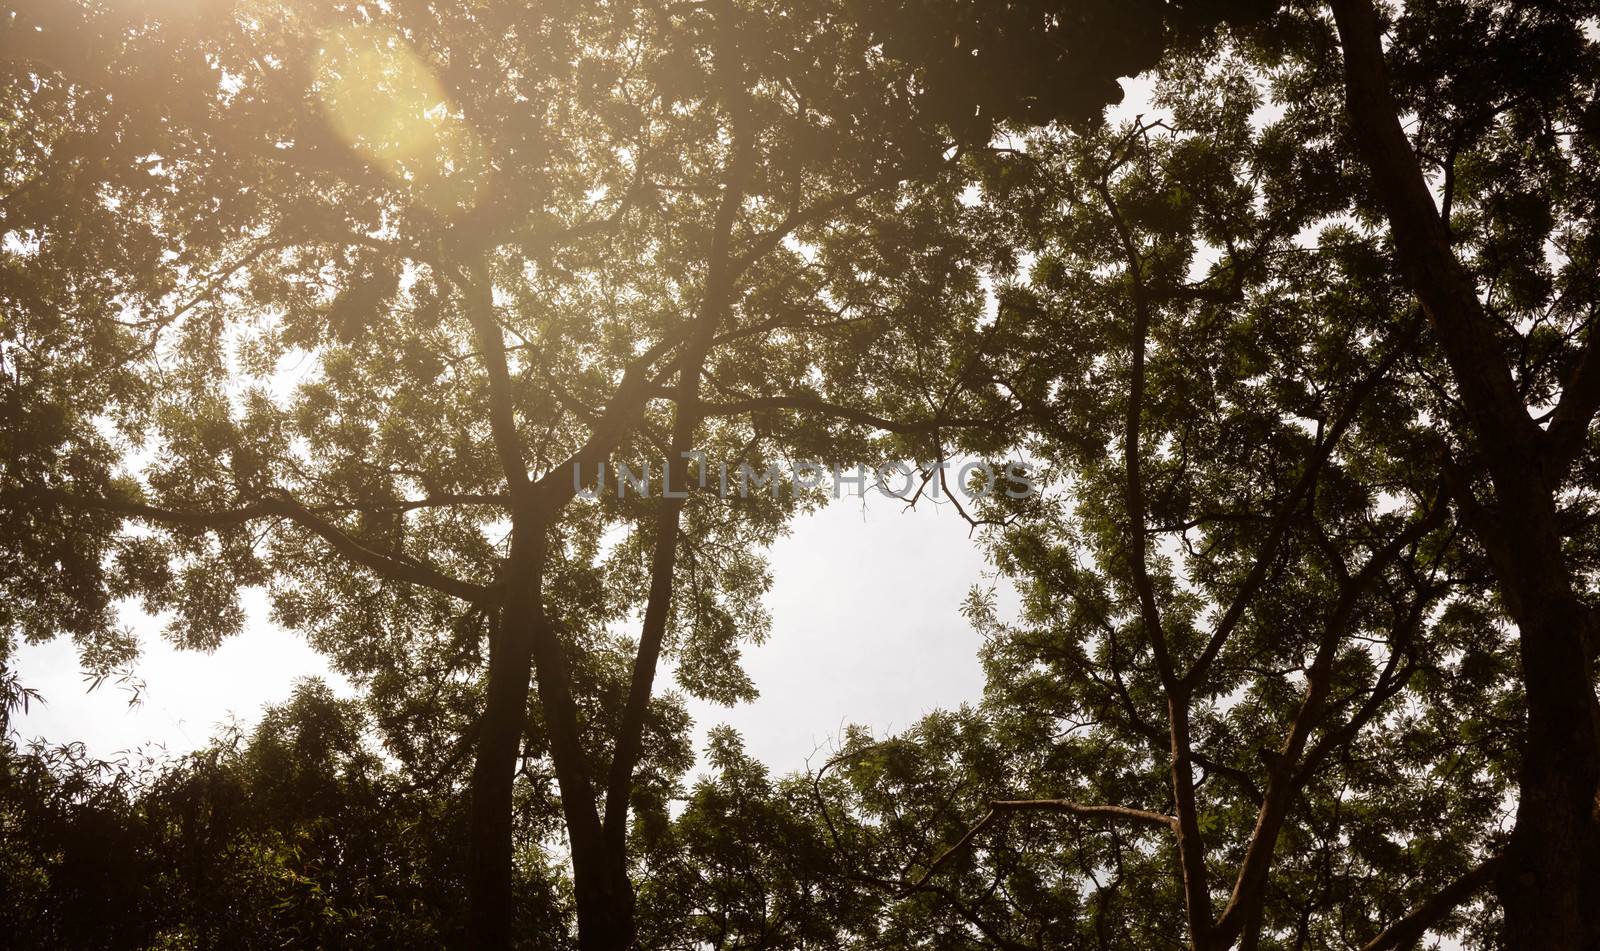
(1509,90)
(1248,572)
(369,306)
(293,833)
(330,405)
(746,864)
(1531,80)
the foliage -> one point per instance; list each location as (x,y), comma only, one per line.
(295,833)
(332,299)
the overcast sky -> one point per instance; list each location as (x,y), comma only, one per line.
(866,629)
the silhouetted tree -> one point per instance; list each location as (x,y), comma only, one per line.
(423,268)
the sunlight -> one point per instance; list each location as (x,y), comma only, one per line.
(382,99)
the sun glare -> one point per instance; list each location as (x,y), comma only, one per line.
(382,99)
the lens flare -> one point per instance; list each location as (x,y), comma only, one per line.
(382,99)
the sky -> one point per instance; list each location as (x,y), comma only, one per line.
(866,629)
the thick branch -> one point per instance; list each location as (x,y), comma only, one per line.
(1408,931)
(1580,400)
(560,485)
(1134,499)
(1249,892)
(1422,243)
(716,303)
(479,293)
(1191,845)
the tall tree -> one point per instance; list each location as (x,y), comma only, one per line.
(1488,201)
(1246,571)
(1506,267)
(469,256)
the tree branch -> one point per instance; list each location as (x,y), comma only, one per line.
(1002,808)
(1191,844)
(716,303)
(1249,891)
(395,568)
(1297,497)
(1580,400)
(1409,930)
(478,290)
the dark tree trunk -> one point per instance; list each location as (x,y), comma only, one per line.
(1541,880)
(605,900)
(599,877)
(494,771)
(524,644)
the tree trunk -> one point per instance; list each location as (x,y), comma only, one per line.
(605,898)
(1540,882)
(527,642)
(524,644)
(599,878)
(494,772)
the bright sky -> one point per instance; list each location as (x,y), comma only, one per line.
(866,629)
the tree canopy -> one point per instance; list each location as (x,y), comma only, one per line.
(383,308)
